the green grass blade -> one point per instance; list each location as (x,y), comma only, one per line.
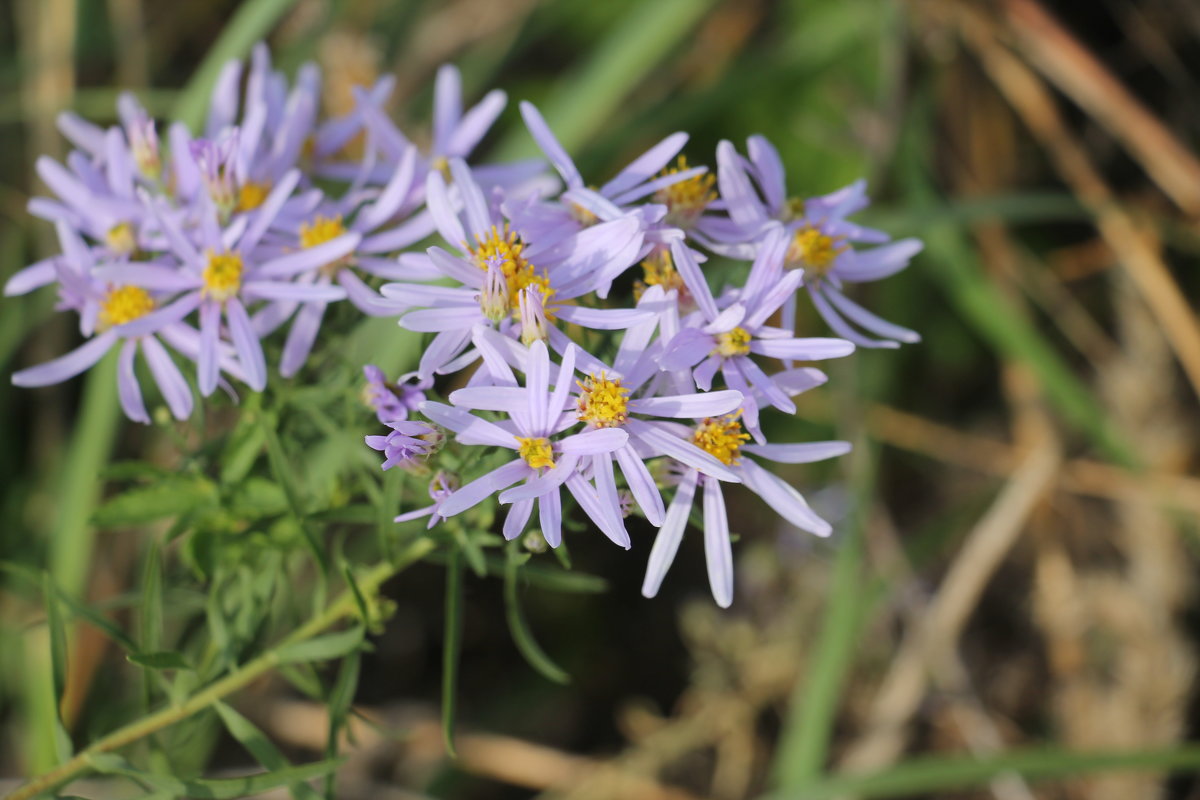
(258,745)
(452,647)
(522,636)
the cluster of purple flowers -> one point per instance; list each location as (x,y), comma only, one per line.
(207,245)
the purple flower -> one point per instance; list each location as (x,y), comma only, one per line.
(724,439)
(725,338)
(393,401)
(407,445)
(545,462)
(497,262)
(441,487)
(821,239)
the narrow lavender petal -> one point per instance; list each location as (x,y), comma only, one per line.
(537,384)
(549,145)
(604,319)
(688,406)
(118,165)
(606,515)
(445,318)
(179,243)
(768,168)
(491,346)
(663,443)
(508,399)
(444,347)
(666,543)
(799,453)
(298,261)
(81,133)
(781,291)
(767,387)
(475,123)
(404,235)
(160,318)
(186,173)
(686,349)
(841,328)
(246,344)
(462,271)
(206,363)
(650,187)
(689,270)
(718,554)
(767,268)
(550,518)
(266,213)
(66,366)
(445,216)
(606,490)
(541,485)
(565,379)
(409,516)
(300,338)
(704,373)
(405,267)
(35,276)
(878,262)
(744,205)
(871,322)
(300,292)
(785,500)
(641,484)
(393,195)
(127,385)
(223,104)
(483,487)
(170,380)
(447,106)
(645,166)
(800,379)
(64,184)
(366,299)
(518,517)
(587,362)
(637,338)
(469,429)
(806,349)
(475,206)
(727,320)
(601,440)
(155,277)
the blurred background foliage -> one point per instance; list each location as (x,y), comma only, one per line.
(1010,584)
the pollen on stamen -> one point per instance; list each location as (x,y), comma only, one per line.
(721,437)
(222,275)
(815,251)
(120,239)
(536,451)
(733,343)
(251,195)
(686,200)
(659,270)
(503,249)
(124,304)
(603,403)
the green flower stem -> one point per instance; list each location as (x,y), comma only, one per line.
(345,605)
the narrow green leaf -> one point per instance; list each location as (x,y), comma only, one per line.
(164,498)
(451,647)
(340,698)
(160,659)
(223,789)
(323,648)
(150,613)
(58,666)
(926,777)
(259,746)
(522,636)
(252,21)
(281,466)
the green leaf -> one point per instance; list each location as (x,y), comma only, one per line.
(259,746)
(224,789)
(451,647)
(257,497)
(150,613)
(281,466)
(522,636)
(160,659)
(323,648)
(245,443)
(252,21)
(927,777)
(338,703)
(166,498)
(58,667)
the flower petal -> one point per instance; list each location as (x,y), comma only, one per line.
(468,428)
(666,543)
(688,406)
(483,487)
(246,344)
(718,554)
(641,484)
(170,380)
(66,366)
(785,500)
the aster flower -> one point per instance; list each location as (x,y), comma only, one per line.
(822,240)
(725,439)
(409,443)
(492,271)
(545,462)
(113,314)
(228,274)
(441,487)
(724,339)
(393,401)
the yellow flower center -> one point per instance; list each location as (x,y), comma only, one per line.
(582,215)
(814,250)
(686,200)
(440,164)
(733,343)
(252,195)
(536,451)
(120,239)
(124,304)
(659,270)
(603,403)
(504,248)
(321,230)
(223,275)
(721,437)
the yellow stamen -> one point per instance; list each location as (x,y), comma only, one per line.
(124,304)
(686,200)
(733,343)
(223,275)
(321,230)
(813,250)
(721,437)
(536,451)
(440,164)
(793,208)
(659,270)
(120,239)
(603,403)
(252,195)
(505,249)
(582,215)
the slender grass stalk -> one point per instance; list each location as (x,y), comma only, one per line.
(345,605)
